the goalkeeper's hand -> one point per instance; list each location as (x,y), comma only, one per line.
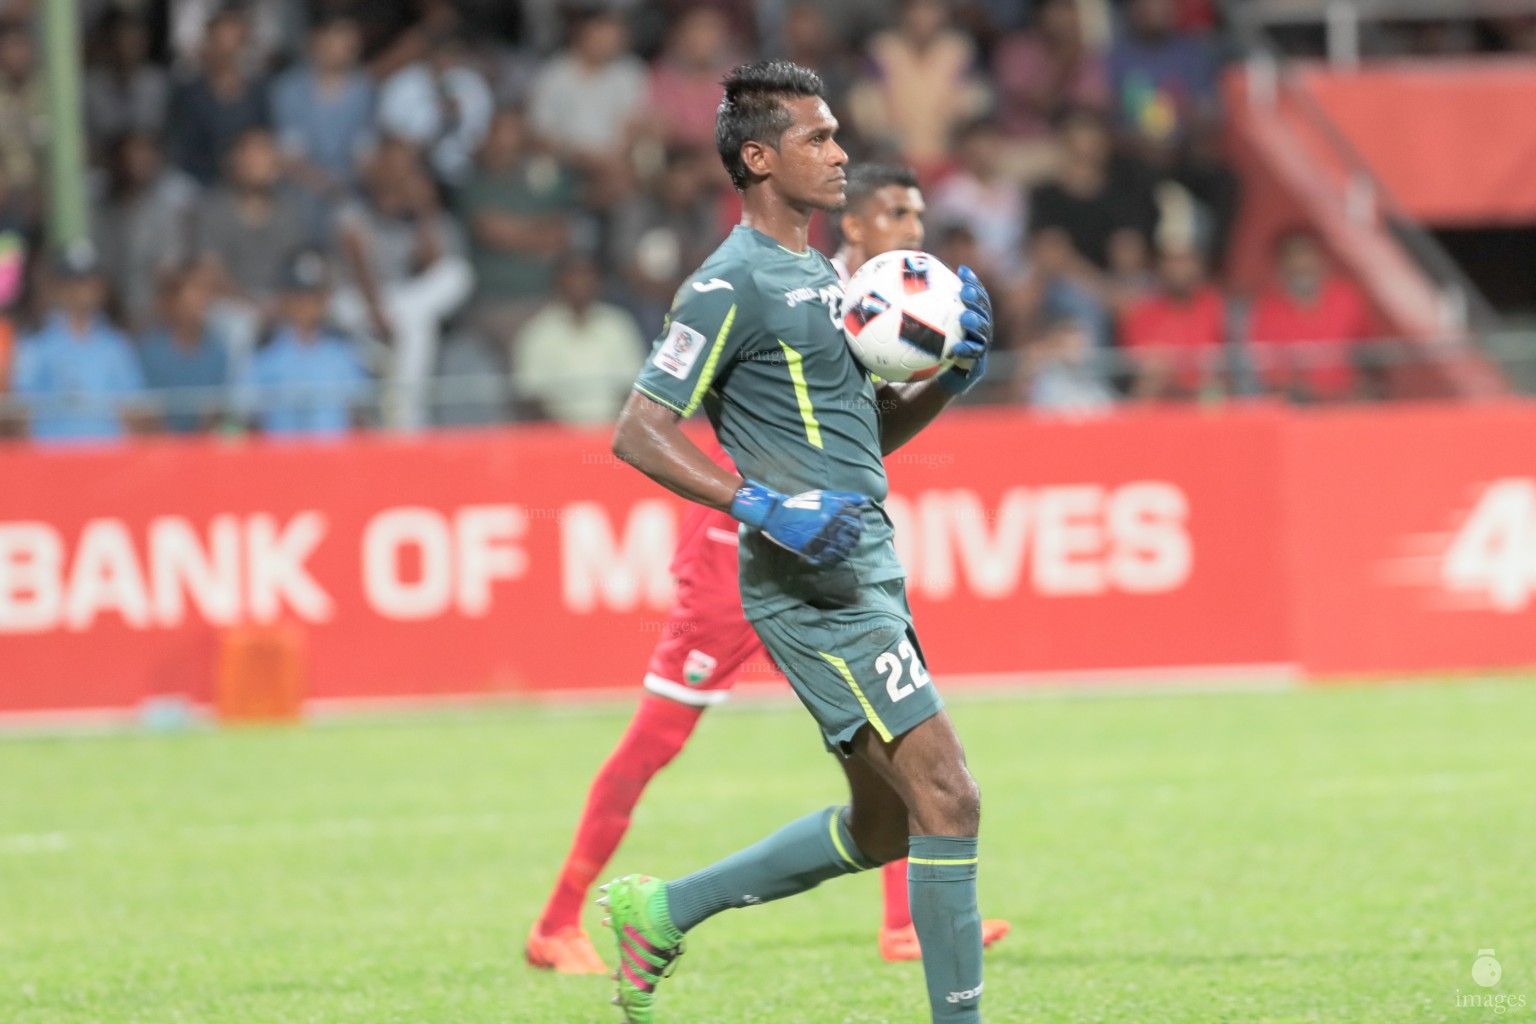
(820,526)
(971,352)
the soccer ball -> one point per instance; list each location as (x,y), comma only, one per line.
(901,315)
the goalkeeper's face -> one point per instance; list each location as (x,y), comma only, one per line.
(809,165)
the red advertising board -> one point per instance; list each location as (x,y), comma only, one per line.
(1414,538)
(531,560)
(1126,543)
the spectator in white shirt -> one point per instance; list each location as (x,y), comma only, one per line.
(586,100)
(440,104)
(404,273)
(576,359)
(980,195)
(1060,374)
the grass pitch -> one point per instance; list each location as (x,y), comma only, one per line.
(1317,855)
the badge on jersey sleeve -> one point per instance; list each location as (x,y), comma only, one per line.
(679,350)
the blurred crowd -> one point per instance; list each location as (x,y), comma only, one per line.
(309,215)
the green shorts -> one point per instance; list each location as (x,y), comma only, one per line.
(854,660)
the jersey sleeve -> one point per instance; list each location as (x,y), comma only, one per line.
(702,335)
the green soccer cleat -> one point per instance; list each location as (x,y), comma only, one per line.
(648,946)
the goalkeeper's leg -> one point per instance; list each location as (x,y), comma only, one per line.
(926,767)
(898,937)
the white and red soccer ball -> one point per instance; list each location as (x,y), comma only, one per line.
(901,315)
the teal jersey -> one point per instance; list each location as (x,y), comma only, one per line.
(754,339)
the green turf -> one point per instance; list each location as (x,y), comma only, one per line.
(1305,856)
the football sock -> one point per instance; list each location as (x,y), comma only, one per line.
(797,857)
(655,735)
(941,874)
(893,881)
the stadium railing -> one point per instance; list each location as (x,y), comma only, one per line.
(1232,372)
(1342,21)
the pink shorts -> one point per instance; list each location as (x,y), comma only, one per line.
(705,639)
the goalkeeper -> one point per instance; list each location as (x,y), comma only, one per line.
(705,641)
(754,340)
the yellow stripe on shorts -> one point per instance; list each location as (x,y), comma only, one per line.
(869,712)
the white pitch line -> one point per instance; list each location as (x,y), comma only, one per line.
(271,831)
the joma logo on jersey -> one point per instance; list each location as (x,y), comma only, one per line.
(828,295)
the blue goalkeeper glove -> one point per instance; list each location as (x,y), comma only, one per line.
(972,350)
(820,526)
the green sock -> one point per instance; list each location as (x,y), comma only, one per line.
(941,885)
(797,857)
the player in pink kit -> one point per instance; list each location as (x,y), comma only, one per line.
(705,642)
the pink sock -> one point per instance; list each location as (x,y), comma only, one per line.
(893,877)
(655,735)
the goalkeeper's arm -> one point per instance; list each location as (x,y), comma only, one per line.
(821,527)
(648,437)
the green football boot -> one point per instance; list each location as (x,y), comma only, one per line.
(648,943)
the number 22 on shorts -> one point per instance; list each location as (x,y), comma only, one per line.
(891,666)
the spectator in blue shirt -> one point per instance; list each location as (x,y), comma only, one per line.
(77,377)
(1163,81)
(322,111)
(185,362)
(307,380)
(1165,91)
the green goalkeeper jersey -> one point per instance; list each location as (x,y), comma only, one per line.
(754,339)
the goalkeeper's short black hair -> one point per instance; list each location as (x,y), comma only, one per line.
(753,109)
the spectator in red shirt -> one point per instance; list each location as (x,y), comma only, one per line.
(1174,335)
(685,85)
(1306,325)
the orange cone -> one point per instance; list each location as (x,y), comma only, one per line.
(263,675)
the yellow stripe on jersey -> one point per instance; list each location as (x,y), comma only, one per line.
(707,375)
(802,394)
(869,712)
